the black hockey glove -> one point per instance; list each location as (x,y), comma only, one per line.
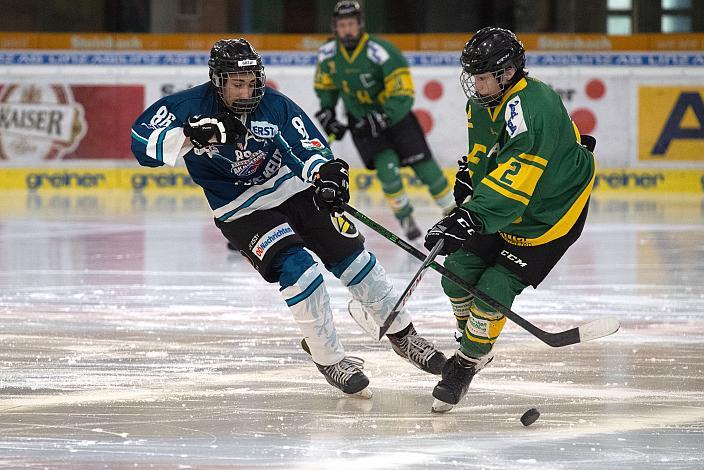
(588,141)
(463,182)
(372,125)
(331,125)
(224,127)
(332,186)
(455,228)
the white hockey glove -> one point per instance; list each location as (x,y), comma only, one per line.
(222,128)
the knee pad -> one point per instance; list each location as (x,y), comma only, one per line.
(291,263)
(369,285)
(310,305)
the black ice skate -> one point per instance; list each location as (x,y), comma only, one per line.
(457,374)
(417,350)
(346,375)
(410,229)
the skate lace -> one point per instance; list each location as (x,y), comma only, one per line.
(419,349)
(345,369)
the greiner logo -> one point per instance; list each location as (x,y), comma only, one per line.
(270,238)
(63,180)
(169,180)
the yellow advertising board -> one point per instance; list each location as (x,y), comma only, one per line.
(362,182)
(671,124)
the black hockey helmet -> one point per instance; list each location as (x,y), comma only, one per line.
(348,9)
(228,59)
(492,50)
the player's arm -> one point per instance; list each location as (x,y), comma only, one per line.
(157,136)
(307,143)
(324,86)
(327,93)
(398,94)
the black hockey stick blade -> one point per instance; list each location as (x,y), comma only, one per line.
(586,332)
(410,288)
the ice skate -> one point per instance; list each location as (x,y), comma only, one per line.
(410,229)
(457,374)
(417,350)
(346,375)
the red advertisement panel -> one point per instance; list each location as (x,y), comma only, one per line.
(40,121)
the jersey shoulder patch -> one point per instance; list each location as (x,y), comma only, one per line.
(376,52)
(327,50)
(513,115)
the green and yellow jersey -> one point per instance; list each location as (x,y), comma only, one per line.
(375,76)
(531,177)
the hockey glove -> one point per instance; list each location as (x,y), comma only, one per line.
(331,125)
(455,228)
(463,182)
(372,125)
(332,186)
(224,128)
(588,141)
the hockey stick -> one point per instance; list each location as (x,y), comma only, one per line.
(587,332)
(410,288)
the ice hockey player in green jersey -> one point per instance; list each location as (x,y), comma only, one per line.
(373,80)
(522,193)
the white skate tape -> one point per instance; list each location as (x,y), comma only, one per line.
(374,294)
(310,304)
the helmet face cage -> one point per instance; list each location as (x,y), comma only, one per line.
(240,105)
(236,59)
(491,50)
(470,89)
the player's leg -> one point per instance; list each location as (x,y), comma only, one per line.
(388,172)
(430,173)
(377,154)
(341,248)
(482,328)
(409,141)
(276,251)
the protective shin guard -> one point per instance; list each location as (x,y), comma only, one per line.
(369,285)
(481,332)
(310,304)
(460,307)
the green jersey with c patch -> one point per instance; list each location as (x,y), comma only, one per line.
(374,77)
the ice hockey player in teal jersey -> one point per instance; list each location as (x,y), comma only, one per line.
(373,79)
(522,193)
(273,207)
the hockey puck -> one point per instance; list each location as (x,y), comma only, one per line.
(530,417)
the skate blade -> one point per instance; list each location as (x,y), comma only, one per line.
(364,394)
(440,406)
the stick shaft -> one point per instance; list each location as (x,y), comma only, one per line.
(409,289)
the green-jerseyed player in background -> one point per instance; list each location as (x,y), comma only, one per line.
(522,194)
(373,79)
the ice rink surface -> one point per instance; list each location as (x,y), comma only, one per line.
(131,338)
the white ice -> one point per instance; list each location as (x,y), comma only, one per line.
(131,338)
